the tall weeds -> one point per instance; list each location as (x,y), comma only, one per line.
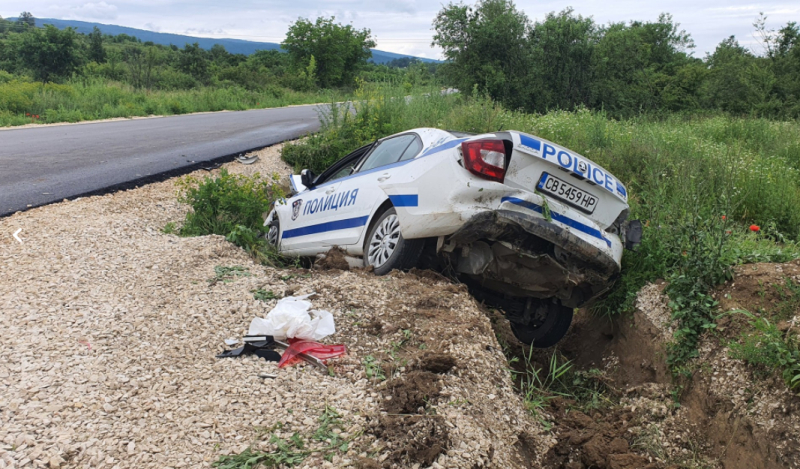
(90,99)
(697,183)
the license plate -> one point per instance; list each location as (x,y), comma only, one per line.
(568,193)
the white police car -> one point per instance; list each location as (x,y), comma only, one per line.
(530,226)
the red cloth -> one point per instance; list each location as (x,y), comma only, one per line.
(297,346)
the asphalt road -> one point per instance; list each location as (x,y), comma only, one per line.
(40,165)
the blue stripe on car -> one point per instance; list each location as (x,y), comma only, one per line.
(559,218)
(323,227)
(530,142)
(404,200)
(445,146)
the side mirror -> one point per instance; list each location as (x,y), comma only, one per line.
(307,178)
(633,235)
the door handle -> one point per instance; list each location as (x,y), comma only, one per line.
(331,190)
(384,177)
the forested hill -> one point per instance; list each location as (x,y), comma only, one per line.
(234,46)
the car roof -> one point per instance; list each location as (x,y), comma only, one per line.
(430,137)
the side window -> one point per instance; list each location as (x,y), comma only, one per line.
(342,172)
(342,167)
(412,150)
(388,152)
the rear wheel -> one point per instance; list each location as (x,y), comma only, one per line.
(386,249)
(544,324)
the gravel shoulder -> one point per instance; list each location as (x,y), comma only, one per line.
(110,328)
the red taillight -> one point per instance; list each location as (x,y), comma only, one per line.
(486,158)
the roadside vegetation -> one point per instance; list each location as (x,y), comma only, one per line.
(49,75)
(708,147)
(712,190)
(230,205)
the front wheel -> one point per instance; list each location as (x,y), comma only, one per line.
(385,248)
(274,232)
(548,323)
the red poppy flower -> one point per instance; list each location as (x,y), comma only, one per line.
(724,218)
(27,114)
(37,116)
(755,228)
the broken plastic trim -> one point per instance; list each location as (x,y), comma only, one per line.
(514,226)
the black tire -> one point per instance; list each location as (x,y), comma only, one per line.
(548,332)
(404,252)
(274,232)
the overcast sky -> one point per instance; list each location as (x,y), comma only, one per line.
(402,26)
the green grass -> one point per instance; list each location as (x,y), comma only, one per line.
(768,349)
(327,441)
(697,183)
(91,99)
(263,295)
(539,384)
(228,274)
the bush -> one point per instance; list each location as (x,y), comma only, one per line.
(221,204)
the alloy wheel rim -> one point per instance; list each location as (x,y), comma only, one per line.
(384,241)
(272,235)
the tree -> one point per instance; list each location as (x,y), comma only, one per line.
(50,53)
(634,63)
(142,62)
(737,82)
(26,19)
(561,61)
(486,47)
(783,49)
(193,62)
(97,52)
(338,50)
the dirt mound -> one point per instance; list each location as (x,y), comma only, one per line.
(415,439)
(334,259)
(437,362)
(728,414)
(410,393)
(599,441)
(424,274)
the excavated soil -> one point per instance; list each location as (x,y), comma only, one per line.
(726,416)
(333,260)
(111,327)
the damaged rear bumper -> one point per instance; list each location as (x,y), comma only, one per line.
(520,255)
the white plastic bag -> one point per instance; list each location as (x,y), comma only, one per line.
(291,318)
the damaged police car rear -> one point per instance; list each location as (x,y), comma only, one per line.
(531,227)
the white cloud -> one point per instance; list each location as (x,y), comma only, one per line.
(402,26)
(85,11)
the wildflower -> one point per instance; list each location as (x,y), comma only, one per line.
(727,231)
(37,116)
(27,114)
(724,218)
(755,228)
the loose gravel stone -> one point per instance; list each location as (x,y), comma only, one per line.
(110,328)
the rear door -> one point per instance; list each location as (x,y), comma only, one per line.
(362,190)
